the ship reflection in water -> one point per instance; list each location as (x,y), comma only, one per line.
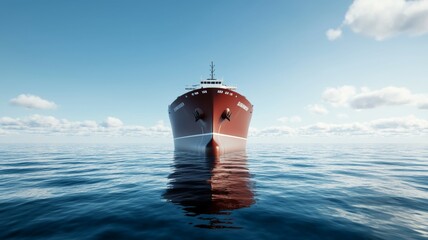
(210,188)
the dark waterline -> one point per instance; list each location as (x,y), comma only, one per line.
(270,192)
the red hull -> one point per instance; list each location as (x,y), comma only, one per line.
(210,120)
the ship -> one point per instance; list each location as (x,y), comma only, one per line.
(211,118)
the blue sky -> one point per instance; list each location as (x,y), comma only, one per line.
(109,69)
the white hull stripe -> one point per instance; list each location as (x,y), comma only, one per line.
(210,134)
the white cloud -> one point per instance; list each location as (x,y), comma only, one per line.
(317,109)
(333,34)
(366,99)
(49,125)
(403,124)
(399,126)
(160,127)
(338,96)
(422,101)
(277,131)
(252,131)
(292,119)
(342,116)
(3,132)
(89,124)
(32,101)
(386,18)
(335,129)
(272,131)
(423,105)
(384,96)
(112,122)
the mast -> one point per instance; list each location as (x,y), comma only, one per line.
(212,71)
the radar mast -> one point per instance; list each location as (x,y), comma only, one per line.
(212,71)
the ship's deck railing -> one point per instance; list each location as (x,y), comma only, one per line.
(199,86)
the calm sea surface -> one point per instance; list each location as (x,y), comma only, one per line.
(270,192)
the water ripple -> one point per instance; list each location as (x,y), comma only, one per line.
(270,192)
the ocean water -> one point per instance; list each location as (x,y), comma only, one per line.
(321,191)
